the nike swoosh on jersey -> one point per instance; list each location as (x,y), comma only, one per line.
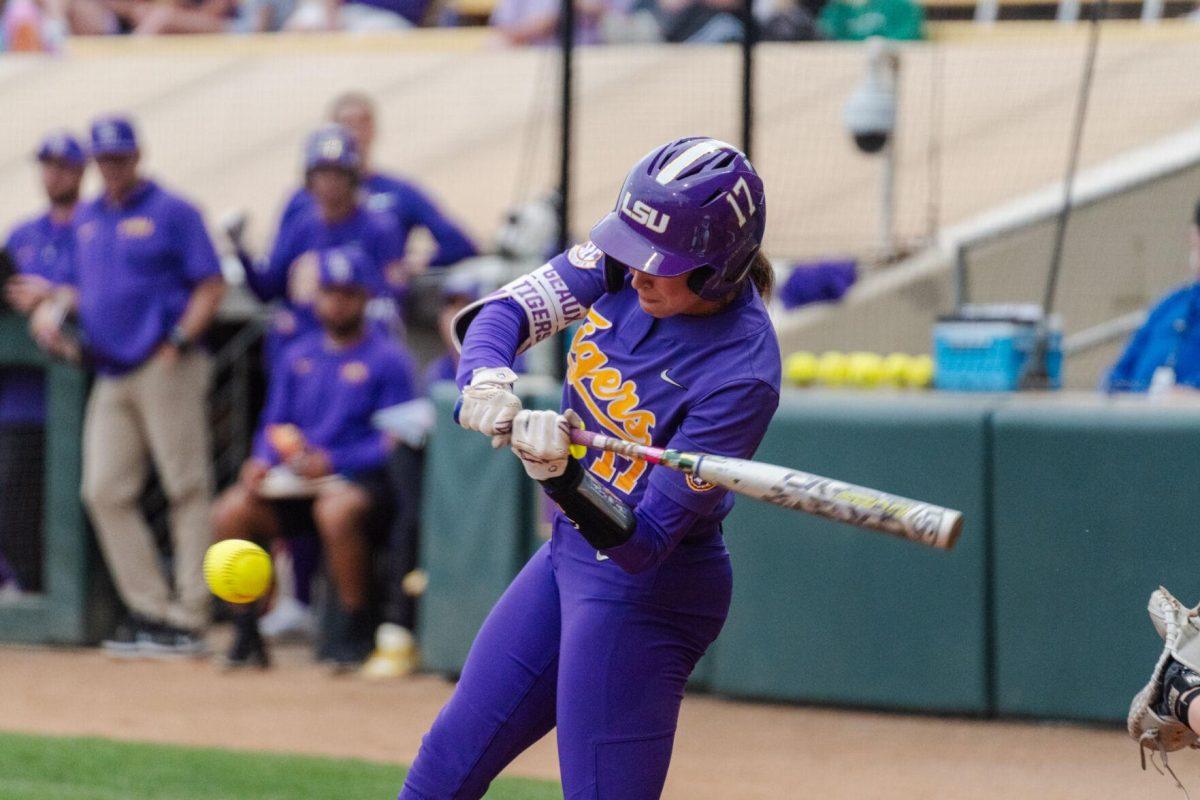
(669,379)
(600,556)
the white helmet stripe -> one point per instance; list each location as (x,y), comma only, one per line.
(690,156)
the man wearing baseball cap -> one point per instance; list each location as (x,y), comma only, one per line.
(336,218)
(146,282)
(327,384)
(38,249)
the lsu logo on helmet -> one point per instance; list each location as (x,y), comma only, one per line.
(645,215)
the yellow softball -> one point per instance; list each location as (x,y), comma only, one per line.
(237,571)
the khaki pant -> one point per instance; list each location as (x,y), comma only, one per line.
(158,411)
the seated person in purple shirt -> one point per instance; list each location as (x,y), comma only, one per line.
(147,284)
(336,218)
(327,384)
(38,249)
(390,194)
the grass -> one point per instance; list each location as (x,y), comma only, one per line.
(52,768)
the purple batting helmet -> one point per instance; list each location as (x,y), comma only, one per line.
(694,206)
(331,146)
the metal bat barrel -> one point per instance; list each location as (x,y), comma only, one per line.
(857,505)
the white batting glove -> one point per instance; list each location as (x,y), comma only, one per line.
(542,440)
(489,405)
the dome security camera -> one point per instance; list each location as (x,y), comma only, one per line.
(870,112)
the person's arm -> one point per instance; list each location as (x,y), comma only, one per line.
(492,339)
(201,308)
(46,319)
(24,290)
(202,269)
(538,305)
(1120,377)
(268,279)
(275,411)
(452,243)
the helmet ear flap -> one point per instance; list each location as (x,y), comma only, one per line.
(614,274)
(698,277)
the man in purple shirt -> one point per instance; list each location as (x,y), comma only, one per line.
(389,194)
(38,249)
(146,283)
(336,217)
(327,384)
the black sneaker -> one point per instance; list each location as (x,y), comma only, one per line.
(352,641)
(167,641)
(124,642)
(249,649)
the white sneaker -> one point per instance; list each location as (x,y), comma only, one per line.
(395,654)
(288,619)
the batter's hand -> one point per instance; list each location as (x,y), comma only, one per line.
(489,405)
(542,440)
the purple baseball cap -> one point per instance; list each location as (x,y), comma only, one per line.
(343,268)
(690,205)
(331,146)
(62,146)
(113,136)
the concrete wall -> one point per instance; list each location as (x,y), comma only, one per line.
(1121,253)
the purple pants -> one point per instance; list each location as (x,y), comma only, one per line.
(578,644)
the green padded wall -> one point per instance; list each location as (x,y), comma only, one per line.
(827,613)
(477,527)
(1095,506)
(65,612)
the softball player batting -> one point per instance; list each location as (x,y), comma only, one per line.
(598,633)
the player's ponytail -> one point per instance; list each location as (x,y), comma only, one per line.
(763,275)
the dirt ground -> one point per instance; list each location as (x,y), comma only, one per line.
(725,750)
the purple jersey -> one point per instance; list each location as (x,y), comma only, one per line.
(305,232)
(331,394)
(135,266)
(41,247)
(410,208)
(708,384)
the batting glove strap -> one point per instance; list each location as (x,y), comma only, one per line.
(601,517)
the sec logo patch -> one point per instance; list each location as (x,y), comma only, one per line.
(697,485)
(584,256)
(355,372)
